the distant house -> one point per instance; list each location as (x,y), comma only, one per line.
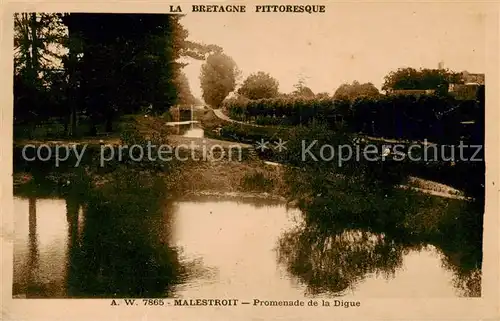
(468,89)
(464,91)
(471,78)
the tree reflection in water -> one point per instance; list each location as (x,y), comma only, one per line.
(467,281)
(335,262)
(124,250)
(332,258)
(461,246)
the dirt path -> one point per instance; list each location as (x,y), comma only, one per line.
(221,115)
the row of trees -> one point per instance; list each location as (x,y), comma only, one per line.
(394,116)
(219,77)
(435,118)
(39,77)
(292,110)
(362,107)
(101,65)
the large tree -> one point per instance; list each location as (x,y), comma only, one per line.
(259,85)
(130,61)
(352,91)
(104,64)
(185,97)
(218,78)
(302,90)
(38,42)
(410,78)
(38,52)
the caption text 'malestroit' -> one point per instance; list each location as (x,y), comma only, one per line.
(236,302)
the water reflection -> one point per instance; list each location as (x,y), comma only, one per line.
(125,248)
(132,239)
(336,263)
(191,129)
(194,133)
(40,247)
(105,243)
(363,263)
(187,125)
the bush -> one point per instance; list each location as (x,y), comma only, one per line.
(257,181)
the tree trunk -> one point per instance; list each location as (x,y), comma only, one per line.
(71,125)
(71,92)
(34,46)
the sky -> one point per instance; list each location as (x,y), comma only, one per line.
(351,41)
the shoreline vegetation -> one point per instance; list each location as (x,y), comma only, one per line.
(218,176)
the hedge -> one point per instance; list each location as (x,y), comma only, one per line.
(431,117)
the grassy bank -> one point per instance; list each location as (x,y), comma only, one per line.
(207,175)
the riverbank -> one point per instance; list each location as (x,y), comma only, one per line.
(246,173)
(195,172)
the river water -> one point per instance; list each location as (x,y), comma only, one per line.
(192,130)
(187,125)
(212,247)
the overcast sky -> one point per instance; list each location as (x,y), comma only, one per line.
(349,42)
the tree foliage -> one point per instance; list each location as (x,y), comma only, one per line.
(301,90)
(323,95)
(129,60)
(38,42)
(100,64)
(293,110)
(259,85)
(39,79)
(355,90)
(133,60)
(218,78)
(393,116)
(410,78)
(185,97)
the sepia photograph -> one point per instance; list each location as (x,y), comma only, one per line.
(271,155)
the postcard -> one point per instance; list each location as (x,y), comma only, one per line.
(250,161)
